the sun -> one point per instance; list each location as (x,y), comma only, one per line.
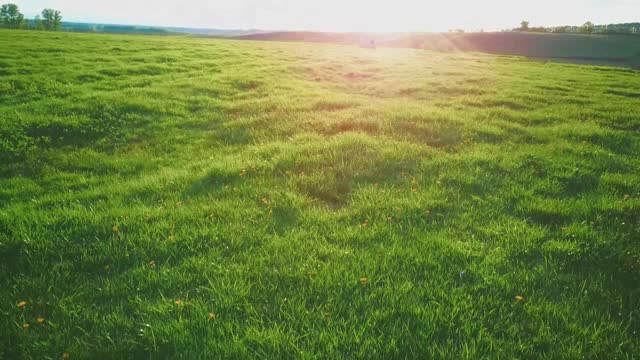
(366,16)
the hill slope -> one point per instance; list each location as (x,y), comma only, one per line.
(601,49)
(151,30)
(174,197)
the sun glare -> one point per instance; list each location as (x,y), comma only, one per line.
(338,15)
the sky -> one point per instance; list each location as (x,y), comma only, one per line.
(341,15)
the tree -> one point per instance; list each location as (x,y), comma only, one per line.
(587,28)
(561,29)
(37,23)
(51,19)
(524,25)
(10,16)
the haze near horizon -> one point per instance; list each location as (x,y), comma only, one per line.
(334,15)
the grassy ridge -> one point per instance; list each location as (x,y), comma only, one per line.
(173,197)
(618,50)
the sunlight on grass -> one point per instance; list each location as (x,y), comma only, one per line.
(198,198)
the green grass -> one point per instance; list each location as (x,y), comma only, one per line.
(617,50)
(264,180)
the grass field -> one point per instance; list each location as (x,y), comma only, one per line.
(618,50)
(174,197)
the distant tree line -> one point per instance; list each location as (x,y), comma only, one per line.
(586,28)
(12,18)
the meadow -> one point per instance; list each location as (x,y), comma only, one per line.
(609,50)
(179,197)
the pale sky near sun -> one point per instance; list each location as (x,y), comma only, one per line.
(341,15)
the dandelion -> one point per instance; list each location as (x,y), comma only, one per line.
(212,316)
(152,263)
(363,280)
(265,200)
(22,304)
(66,356)
(519,297)
(25,326)
(40,320)
(115,229)
(178,302)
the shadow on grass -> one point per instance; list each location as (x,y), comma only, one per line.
(626,94)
